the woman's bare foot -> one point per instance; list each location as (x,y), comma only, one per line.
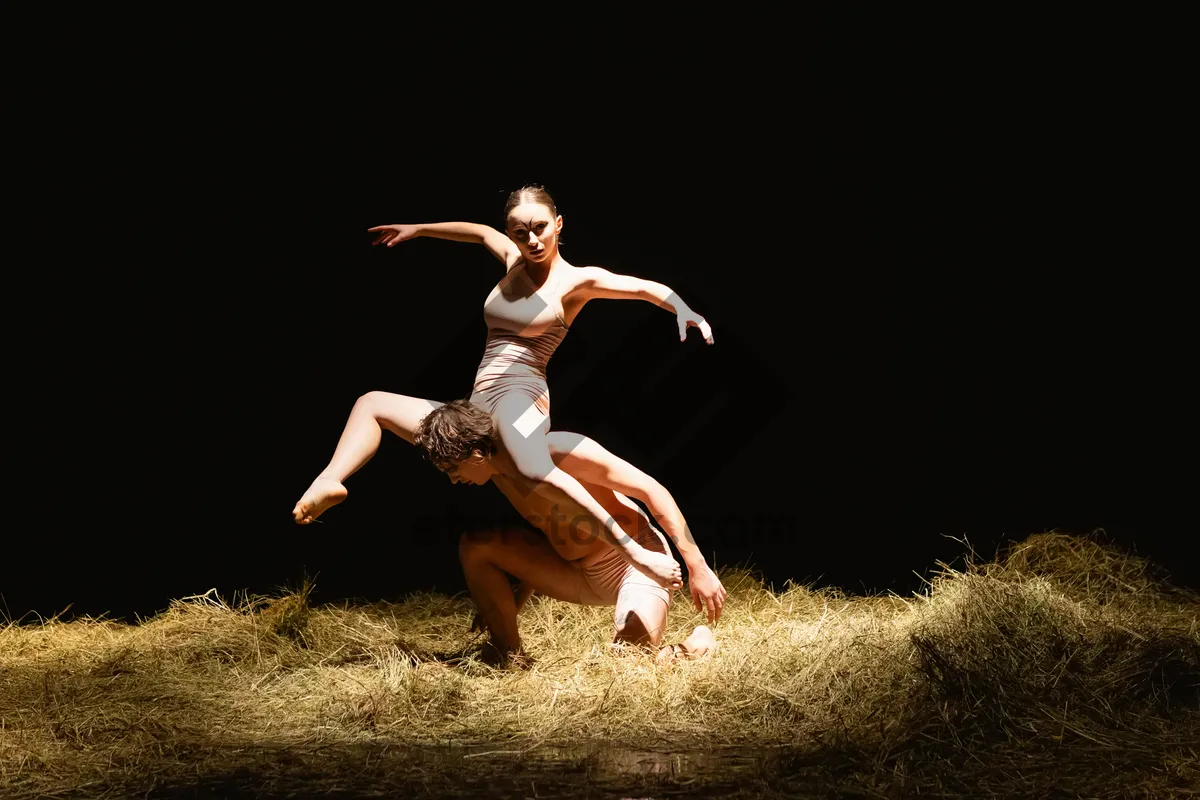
(321,495)
(660,567)
(699,643)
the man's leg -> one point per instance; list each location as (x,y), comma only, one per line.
(699,642)
(488,557)
(641,619)
(641,614)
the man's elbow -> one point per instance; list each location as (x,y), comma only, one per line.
(653,494)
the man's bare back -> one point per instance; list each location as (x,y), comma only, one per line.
(574,542)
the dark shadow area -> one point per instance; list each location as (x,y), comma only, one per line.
(928,243)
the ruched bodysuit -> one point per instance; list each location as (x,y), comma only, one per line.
(524,330)
(523,333)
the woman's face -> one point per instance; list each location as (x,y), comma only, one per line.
(533,230)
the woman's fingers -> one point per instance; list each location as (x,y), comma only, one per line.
(701,323)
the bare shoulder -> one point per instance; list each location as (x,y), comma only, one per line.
(573,277)
(585,274)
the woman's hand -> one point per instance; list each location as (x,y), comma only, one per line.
(393,234)
(690,319)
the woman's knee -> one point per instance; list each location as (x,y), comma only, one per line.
(369,402)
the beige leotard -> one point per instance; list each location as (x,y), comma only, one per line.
(524,330)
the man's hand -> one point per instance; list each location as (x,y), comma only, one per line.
(707,592)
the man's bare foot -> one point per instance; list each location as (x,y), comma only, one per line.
(321,495)
(699,643)
(493,656)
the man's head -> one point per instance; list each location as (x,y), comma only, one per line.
(458,438)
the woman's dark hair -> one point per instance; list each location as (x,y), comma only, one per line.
(530,193)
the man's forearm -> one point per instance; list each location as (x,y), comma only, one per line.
(667,515)
(558,486)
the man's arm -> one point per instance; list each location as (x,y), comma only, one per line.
(587,461)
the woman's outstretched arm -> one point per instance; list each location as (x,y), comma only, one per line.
(497,243)
(597,283)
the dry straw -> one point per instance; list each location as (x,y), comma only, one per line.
(1064,667)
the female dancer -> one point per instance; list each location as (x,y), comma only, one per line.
(527,314)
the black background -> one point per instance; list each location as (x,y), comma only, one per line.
(929,247)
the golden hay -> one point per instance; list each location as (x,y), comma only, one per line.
(1062,667)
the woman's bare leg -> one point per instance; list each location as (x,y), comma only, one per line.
(488,557)
(372,413)
(530,454)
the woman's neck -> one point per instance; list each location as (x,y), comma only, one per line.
(540,272)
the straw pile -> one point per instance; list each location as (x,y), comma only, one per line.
(1064,667)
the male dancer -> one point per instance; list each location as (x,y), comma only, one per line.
(565,561)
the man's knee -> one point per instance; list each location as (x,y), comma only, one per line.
(476,544)
(483,542)
(636,627)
